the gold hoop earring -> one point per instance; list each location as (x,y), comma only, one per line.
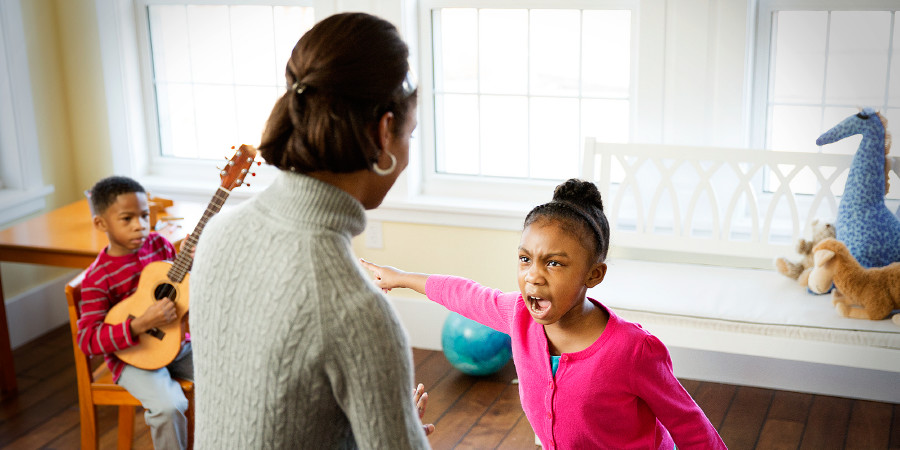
(389,170)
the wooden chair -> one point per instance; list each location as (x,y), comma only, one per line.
(97,388)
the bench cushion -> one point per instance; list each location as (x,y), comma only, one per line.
(753,301)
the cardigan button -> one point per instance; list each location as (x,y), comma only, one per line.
(549,415)
(565,357)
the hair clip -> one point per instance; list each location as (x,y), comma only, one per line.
(410,83)
(298,87)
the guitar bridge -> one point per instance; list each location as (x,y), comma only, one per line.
(155,332)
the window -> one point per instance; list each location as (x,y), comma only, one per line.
(190,79)
(22,190)
(512,92)
(216,72)
(820,63)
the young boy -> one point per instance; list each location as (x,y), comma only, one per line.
(119,205)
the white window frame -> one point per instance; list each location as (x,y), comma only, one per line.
(764,71)
(23,191)
(131,102)
(514,193)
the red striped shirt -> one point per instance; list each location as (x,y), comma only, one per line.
(109,280)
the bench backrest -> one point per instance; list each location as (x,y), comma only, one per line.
(722,204)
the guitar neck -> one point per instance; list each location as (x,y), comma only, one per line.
(185,259)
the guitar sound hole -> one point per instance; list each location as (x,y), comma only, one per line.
(165,290)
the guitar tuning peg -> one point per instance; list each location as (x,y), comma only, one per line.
(252,174)
(248,184)
(232,147)
(259,163)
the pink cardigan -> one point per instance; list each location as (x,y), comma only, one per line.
(618,393)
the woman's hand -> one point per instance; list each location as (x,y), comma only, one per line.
(421,399)
(387,277)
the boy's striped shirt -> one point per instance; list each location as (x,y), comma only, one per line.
(109,280)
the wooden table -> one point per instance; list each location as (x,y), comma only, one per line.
(63,237)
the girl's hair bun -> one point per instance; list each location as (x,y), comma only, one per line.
(578,192)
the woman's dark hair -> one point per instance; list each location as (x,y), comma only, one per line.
(105,192)
(578,209)
(343,75)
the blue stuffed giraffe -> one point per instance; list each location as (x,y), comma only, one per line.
(864,223)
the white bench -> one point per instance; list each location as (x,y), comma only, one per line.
(694,235)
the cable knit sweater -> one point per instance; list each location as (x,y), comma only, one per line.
(294,347)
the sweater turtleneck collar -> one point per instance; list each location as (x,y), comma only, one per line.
(301,198)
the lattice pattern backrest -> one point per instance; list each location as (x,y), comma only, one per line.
(719,201)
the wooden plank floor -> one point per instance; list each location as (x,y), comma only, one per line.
(469,412)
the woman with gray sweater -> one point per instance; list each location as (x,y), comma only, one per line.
(294,347)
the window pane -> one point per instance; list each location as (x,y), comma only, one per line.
(554,52)
(503,51)
(606,61)
(168,34)
(606,120)
(177,129)
(857,57)
(456,52)
(207,31)
(504,136)
(554,148)
(217,70)
(799,56)
(252,39)
(795,128)
(216,119)
(457,136)
(540,81)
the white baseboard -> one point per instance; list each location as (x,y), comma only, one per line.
(423,321)
(37,311)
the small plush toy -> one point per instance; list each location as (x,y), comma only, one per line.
(864,223)
(800,270)
(859,293)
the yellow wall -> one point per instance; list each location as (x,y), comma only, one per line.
(486,256)
(70,111)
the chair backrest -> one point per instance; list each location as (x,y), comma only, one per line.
(82,361)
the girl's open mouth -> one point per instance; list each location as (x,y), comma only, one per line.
(538,306)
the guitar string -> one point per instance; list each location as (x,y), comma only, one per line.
(183,261)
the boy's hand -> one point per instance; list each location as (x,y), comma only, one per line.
(160,313)
(421,399)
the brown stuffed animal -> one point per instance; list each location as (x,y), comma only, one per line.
(800,270)
(859,292)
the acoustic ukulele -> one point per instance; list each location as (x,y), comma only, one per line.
(169,279)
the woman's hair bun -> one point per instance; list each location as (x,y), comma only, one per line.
(578,192)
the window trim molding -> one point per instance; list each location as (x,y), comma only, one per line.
(25,191)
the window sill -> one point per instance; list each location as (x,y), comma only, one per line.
(16,204)
(453,211)
(417,209)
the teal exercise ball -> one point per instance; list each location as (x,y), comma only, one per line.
(474,348)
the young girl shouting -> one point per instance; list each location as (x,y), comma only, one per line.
(588,378)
